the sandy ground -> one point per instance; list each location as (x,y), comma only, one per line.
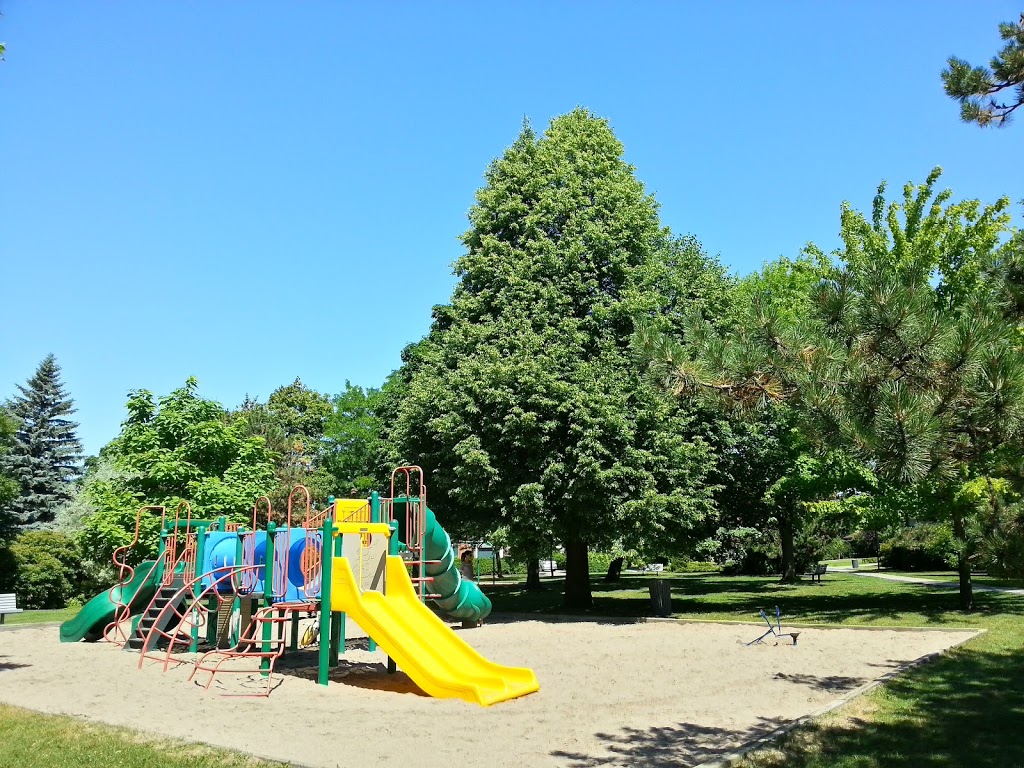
(652,694)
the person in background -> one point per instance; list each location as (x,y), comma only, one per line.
(466,566)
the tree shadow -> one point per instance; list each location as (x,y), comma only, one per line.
(830,684)
(963,709)
(673,746)
(6,666)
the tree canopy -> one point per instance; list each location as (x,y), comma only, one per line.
(990,95)
(176,448)
(524,401)
(907,357)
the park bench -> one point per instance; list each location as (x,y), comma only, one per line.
(817,572)
(8,604)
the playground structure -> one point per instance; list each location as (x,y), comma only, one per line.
(226,592)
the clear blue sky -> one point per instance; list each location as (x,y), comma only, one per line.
(250,192)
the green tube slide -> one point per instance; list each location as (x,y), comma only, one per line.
(460,599)
(95,615)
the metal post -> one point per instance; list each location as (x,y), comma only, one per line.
(293,645)
(326,568)
(268,595)
(375,507)
(337,636)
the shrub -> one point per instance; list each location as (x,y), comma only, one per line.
(48,569)
(926,547)
(680,565)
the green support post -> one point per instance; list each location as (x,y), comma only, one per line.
(375,507)
(293,645)
(197,588)
(337,636)
(326,568)
(268,595)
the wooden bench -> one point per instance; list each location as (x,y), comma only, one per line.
(817,572)
(8,604)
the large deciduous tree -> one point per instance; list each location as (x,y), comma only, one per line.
(524,402)
(46,457)
(990,95)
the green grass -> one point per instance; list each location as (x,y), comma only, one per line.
(32,740)
(39,617)
(963,709)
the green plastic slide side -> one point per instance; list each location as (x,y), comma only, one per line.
(460,599)
(88,624)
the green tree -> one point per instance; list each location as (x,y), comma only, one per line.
(983,91)
(352,438)
(292,423)
(176,448)
(769,472)
(909,357)
(45,459)
(524,402)
(8,485)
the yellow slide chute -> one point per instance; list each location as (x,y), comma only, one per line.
(435,657)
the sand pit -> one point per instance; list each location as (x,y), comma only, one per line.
(653,694)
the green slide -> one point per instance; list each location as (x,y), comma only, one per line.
(99,612)
(460,599)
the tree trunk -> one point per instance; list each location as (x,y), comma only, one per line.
(962,562)
(533,573)
(577,576)
(786,536)
(496,566)
(615,569)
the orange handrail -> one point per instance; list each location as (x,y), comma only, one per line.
(124,575)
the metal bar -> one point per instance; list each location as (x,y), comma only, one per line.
(326,563)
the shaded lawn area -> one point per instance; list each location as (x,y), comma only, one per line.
(966,708)
(39,617)
(32,740)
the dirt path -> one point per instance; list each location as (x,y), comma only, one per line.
(930,582)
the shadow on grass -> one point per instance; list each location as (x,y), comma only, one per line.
(683,744)
(964,709)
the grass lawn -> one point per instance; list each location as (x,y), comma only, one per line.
(39,617)
(31,740)
(951,576)
(964,709)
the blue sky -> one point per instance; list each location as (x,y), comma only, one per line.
(250,192)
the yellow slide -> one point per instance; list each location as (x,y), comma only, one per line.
(435,657)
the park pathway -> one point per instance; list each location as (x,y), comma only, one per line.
(928,582)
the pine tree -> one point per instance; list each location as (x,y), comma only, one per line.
(990,96)
(46,457)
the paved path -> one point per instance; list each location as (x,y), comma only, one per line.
(927,582)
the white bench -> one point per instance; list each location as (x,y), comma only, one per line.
(8,604)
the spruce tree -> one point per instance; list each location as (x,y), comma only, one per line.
(45,459)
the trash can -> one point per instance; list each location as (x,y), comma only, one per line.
(855,563)
(661,598)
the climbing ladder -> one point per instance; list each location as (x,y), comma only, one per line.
(415,528)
